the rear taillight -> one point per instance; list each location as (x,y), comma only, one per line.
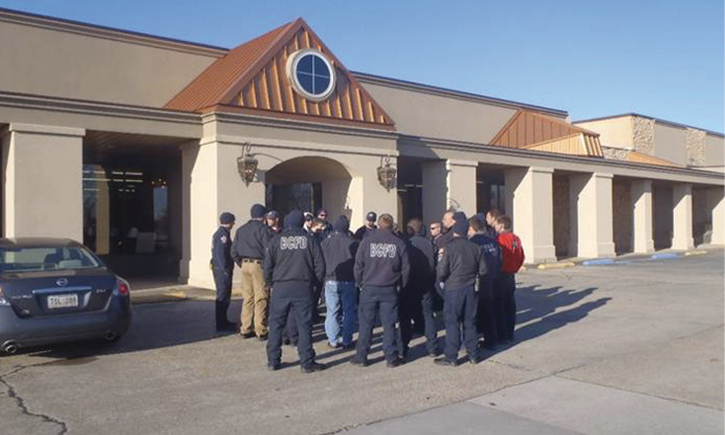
(122,287)
(3,300)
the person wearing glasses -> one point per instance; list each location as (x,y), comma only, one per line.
(326,229)
(434,231)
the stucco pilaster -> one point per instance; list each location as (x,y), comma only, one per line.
(682,217)
(43,188)
(717,204)
(461,180)
(529,201)
(593,232)
(642,216)
(448,184)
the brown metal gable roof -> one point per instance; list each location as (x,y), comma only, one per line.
(528,128)
(212,85)
(252,78)
(637,157)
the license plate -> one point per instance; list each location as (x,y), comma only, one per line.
(63,301)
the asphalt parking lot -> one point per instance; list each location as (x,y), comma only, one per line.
(630,348)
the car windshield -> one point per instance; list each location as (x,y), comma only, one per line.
(34,259)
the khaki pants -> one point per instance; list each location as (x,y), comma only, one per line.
(256,299)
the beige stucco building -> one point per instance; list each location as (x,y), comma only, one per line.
(130,143)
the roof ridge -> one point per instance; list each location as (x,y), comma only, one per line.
(564,123)
(178,101)
(260,61)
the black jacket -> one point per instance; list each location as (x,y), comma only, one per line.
(293,256)
(363,232)
(382,261)
(461,263)
(422,260)
(339,251)
(251,240)
(221,243)
(443,240)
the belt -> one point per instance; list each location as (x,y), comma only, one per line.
(252,260)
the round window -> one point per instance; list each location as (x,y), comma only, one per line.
(311,74)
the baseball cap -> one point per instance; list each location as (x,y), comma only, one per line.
(227,218)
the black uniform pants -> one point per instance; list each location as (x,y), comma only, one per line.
(223,284)
(486,321)
(430,304)
(460,310)
(409,307)
(290,330)
(372,300)
(297,298)
(505,306)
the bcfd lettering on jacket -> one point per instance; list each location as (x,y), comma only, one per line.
(382,250)
(293,242)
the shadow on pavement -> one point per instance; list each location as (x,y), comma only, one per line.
(170,324)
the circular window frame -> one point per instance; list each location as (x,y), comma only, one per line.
(294,60)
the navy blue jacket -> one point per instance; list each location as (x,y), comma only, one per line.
(422,260)
(363,232)
(382,261)
(461,264)
(292,255)
(339,251)
(491,254)
(250,240)
(221,243)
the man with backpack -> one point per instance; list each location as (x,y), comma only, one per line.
(485,320)
(512,256)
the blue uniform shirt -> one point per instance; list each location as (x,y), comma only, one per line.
(221,245)
(491,253)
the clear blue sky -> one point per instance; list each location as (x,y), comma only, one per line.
(592,58)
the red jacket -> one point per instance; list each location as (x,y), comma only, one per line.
(512,252)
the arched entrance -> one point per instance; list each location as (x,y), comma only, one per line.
(308,183)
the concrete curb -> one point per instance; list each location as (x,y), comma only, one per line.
(691,253)
(561,265)
(156,297)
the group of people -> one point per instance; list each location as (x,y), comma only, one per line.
(465,268)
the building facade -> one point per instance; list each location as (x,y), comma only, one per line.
(135,144)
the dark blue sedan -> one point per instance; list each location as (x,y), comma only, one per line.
(56,290)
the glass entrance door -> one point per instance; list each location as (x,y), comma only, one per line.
(287,197)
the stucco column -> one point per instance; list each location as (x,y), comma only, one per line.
(682,217)
(642,228)
(211,185)
(448,184)
(529,201)
(43,181)
(461,181)
(593,230)
(717,204)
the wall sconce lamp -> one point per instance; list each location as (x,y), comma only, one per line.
(247,164)
(386,173)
